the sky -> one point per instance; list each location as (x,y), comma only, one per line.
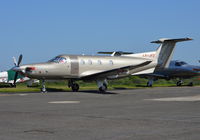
(42,29)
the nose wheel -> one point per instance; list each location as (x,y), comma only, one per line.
(75,87)
(43,89)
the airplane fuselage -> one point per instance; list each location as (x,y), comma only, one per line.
(78,67)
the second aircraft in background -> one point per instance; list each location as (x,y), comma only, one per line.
(176,70)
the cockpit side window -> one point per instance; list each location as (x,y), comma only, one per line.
(183,63)
(180,63)
(58,60)
(177,64)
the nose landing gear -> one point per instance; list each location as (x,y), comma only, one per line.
(74,86)
(43,89)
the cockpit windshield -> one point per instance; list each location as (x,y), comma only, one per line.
(180,63)
(58,59)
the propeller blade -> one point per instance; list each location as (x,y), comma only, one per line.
(16,68)
(15,78)
(15,62)
(19,60)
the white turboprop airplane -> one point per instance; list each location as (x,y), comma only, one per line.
(98,68)
(7,77)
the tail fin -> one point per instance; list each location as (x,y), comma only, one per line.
(165,51)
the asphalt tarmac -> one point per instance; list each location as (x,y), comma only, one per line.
(140,114)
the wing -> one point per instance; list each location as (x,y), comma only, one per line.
(157,76)
(116,71)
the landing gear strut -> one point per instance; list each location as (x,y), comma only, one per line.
(43,89)
(74,86)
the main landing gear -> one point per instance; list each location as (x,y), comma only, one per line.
(150,83)
(102,85)
(74,86)
(190,84)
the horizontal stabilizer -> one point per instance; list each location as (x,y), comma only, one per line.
(162,40)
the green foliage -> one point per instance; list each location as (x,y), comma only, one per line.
(128,82)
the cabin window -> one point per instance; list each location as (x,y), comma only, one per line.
(99,62)
(82,62)
(90,62)
(111,62)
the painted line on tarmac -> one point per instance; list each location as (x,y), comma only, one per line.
(178,99)
(5,95)
(13,94)
(64,102)
(22,94)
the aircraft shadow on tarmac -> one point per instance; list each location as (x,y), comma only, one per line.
(81,91)
(97,92)
(164,86)
(56,90)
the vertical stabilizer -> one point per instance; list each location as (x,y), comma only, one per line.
(165,52)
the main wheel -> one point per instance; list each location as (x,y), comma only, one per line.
(190,84)
(149,84)
(103,88)
(75,87)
